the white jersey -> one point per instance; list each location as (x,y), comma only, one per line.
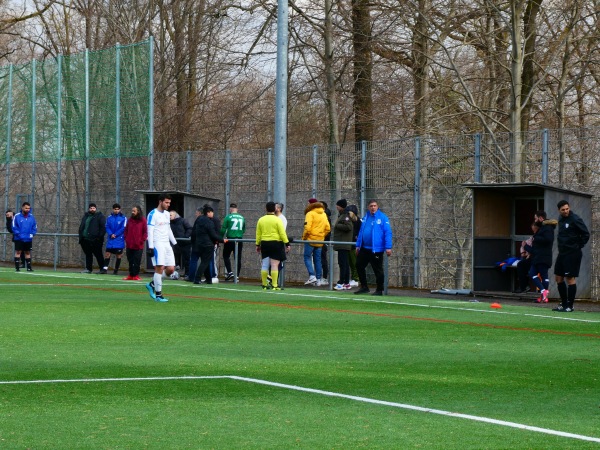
(284,220)
(159,229)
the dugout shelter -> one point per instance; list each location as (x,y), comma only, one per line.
(184,203)
(501,219)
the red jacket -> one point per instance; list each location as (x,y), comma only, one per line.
(136,233)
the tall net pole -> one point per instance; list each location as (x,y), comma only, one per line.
(279,174)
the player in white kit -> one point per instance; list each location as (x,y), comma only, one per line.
(160,237)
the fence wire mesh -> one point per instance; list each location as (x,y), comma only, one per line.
(419,183)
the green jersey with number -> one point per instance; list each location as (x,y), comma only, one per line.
(233,226)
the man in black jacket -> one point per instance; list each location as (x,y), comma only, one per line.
(91,237)
(181,229)
(203,243)
(541,253)
(572,236)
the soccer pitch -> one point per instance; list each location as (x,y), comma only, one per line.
(90,361)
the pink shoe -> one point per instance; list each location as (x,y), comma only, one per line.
(544,296)
(539,299)
(137,278)
(347,287)
(128,278)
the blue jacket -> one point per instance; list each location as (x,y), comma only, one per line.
(380,229)
(24,227)
(115,224)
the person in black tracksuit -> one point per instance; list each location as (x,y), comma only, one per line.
(91,237)
(181,229)
(204,237)
(541,255)
(572,236)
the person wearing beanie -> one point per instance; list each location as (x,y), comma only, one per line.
(316,227)
(342,232)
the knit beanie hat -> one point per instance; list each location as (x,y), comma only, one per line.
(312,200)
(342,203)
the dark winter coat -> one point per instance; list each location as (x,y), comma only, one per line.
(572,233)
(96,229)
(181,229)
(344,229)
(357,222)
(9,227)
(204,234)
(543,240)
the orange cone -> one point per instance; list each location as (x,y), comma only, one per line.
(496,305)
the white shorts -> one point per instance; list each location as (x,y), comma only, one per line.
(163,256)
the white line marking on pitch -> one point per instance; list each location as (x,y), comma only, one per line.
(328,394)
(334,297)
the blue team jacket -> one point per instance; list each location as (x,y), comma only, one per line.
(115,224)
(24,227)
(381,236)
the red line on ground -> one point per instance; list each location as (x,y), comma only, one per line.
(345,311)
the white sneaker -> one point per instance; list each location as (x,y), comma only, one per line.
(353,283)
(311,280)
(339,287)
(324,281)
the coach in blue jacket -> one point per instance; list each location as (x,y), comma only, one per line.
(374,238)
(24,228)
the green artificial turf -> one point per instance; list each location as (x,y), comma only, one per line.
(519,364)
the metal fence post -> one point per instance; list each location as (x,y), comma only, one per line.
(8,141)
(270,175)
(87,129)
(363,177)
(315,174)
(545,159)
(188,171)
(477,175)
(227,179)
(33,129)
(118,123)
(59,157)
(417,214)
(151,113)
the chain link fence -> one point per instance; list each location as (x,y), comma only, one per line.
(418,182)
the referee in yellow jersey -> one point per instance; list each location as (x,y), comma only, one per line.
(272,243)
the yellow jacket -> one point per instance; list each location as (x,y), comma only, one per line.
(316,224)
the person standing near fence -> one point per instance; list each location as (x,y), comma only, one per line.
(352,255)
(342,232)
(572,236)
(541,254)
(91,237)
(374,238)
(325,249)
(234,227)
(24,229)
(160,238)
(316,227)
(181,230)
(115,244)
(9,220)
(272,243)
(205,238)
(136,233)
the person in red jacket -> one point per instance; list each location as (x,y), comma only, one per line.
(136,233)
